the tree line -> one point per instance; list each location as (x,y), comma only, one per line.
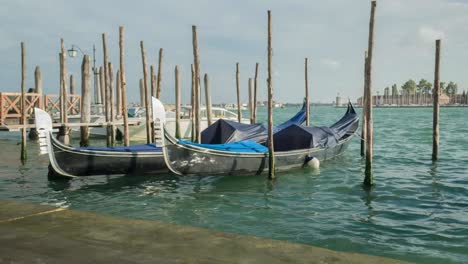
(410,87)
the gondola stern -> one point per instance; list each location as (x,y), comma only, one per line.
(43,123)
(159,118)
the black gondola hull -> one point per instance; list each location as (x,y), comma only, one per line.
(191,160)
(67,161)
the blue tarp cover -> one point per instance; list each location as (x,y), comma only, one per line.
(134,148)
(241,146)
(226,131)
(297,136)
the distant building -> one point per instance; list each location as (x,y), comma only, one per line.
(338,101)
(418,99)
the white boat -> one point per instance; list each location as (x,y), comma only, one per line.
(138,133)
(138,114)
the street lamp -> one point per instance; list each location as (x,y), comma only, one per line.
(74,51)
(72,54)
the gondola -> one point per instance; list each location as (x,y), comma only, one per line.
(69,161)
(295,146)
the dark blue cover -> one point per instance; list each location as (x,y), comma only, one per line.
(134,148)
(241,146)
(296,136)
(226,131)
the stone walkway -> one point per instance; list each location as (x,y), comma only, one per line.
(31,233)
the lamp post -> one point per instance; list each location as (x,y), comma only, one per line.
(97,92)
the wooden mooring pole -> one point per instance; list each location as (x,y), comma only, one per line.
(64,82)
(64,133)
(72,84)
(118,95)
(24,155)
(435,126)
(85,100)
(196,62)
(271,152)
(153,81)
(97,86)
(123,84)
(208,100)
(38,86)
(153,92)
(142,93)
(306,64)
(111,103)
(72,90)
(364,116)
(159,77)
(192,104)
(177,101)
(146,95)
(33,135)
(250,100)
(101,88)
(239,113)
(107,99)
(255,95)
(369,178)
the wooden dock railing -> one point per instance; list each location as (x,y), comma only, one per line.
(10,104)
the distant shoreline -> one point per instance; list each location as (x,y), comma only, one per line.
(404,106)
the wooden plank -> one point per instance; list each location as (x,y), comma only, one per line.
(95,124)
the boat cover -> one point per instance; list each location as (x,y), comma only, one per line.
(241,146)
(226,131)
(134,148)
(302,137)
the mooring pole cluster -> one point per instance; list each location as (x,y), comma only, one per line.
(116,96)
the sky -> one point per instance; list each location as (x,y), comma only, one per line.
(332,34)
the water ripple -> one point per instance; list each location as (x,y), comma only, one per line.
(417,210)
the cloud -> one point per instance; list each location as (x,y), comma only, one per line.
(404,39)
(428,34)
(331,63)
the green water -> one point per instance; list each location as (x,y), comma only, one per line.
(417,211)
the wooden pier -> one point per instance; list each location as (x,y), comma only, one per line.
(12,128)
(10,105)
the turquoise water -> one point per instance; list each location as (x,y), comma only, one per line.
(417,211)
